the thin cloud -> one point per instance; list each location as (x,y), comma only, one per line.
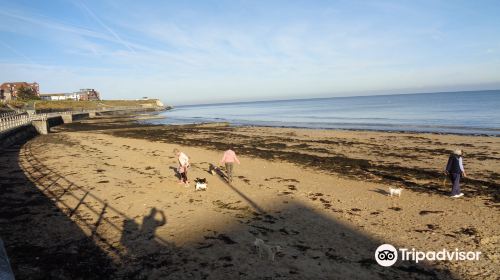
(41,21)
(35,22)
(101,23)
(18,53)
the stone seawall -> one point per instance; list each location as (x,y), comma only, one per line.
(23,133)
(17,135)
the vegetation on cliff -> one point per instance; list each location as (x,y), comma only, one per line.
(63,105)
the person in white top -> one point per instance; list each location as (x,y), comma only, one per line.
(183,166)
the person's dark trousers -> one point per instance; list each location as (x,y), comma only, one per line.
(229,170)
(455,180)
(184,177)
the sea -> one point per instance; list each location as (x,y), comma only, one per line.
(468,112)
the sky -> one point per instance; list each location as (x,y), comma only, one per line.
(191,52)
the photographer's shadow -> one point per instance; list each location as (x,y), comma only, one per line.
(139,240)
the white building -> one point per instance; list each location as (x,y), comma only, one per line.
(83,94)
(59,96)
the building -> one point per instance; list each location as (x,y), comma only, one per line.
(10,90)
(81,95)
(88,94)
(58,96)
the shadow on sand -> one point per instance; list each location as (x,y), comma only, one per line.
(381,191)
(43,242)
(55,229)
(176,172)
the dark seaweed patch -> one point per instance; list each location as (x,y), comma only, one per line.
(427,212)
(224,238)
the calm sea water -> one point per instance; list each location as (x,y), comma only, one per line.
(472,112)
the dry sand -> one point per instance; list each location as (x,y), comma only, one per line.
(100,199)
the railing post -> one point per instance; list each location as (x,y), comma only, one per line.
(41,125)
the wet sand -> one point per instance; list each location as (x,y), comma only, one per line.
(103,195)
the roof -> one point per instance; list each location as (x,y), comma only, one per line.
(7,85)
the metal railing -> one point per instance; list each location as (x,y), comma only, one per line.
(13,121)
(8,114)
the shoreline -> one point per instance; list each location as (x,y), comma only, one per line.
(236,124)
(326,128)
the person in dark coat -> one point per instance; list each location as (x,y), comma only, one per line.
(455,170)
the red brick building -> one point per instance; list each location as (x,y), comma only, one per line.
(10,90)
(88,94)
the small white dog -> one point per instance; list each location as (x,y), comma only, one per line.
(393,191)
(269,250)
(201,184)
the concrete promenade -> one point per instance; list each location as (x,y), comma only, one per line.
(17,126)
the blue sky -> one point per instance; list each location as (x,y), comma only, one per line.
(188,52)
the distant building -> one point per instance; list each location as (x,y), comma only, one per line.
(88,94)
(10,90)
(81,95)
(58,96)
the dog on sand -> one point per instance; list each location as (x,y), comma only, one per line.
(263,248)
(201,184)
(395,191)
(212,169)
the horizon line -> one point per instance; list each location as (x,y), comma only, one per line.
(318,98)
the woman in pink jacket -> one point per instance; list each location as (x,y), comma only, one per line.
(229,159)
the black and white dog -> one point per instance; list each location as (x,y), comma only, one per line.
(201,184)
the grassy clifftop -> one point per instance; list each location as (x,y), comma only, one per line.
(43,105)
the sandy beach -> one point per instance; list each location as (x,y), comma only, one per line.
(100,199)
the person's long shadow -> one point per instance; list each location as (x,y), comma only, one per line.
(225,179)
(139,240)
(150,223)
